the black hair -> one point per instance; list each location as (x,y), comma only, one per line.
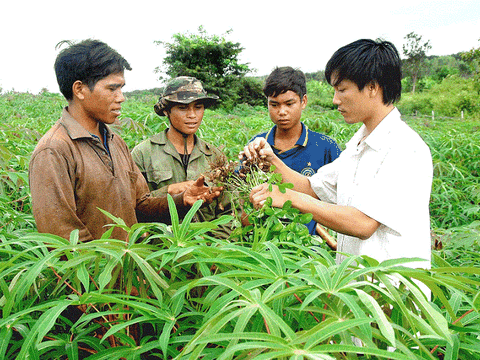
(283,79)
(88,61)
(367,61)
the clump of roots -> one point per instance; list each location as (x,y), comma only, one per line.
(238,178)
(220,170)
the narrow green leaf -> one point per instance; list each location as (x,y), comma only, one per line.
(106,275)
(173,215)
(183,230)
(71,348)
(165,337)
(384,325)
(5,336)
(82,275)
(278,258)
(357,311)
(74,237)
(435,319)
(41,328)
(452,350)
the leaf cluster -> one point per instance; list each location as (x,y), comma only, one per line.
(212,59)
(178,293)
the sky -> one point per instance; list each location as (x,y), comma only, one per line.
(302,34)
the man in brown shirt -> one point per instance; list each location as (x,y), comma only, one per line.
(79,166)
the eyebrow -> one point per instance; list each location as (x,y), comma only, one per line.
(116,85)
(278,102)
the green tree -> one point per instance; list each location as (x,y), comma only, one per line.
(415,51)
(472,57)
(210,58)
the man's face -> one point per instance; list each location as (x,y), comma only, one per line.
(353,104)
(187,117)
(286,109)
(104,102)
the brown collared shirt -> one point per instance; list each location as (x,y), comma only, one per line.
(72,176)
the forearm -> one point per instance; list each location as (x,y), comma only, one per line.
(156,209)
(343,219)
(160,192)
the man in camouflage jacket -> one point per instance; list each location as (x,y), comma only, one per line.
(176,157)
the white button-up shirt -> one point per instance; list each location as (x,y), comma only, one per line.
(388,177)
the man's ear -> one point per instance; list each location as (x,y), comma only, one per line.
(374,89)
(304,101)
(78,89)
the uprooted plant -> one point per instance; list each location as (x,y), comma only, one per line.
(283,224)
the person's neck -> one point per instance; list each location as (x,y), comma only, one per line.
(88,123)
(177,139)
(286,139)
(377,117)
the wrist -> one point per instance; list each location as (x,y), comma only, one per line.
(275,161)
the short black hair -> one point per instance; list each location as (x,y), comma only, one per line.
(283,79)
(88,61)
(365,61)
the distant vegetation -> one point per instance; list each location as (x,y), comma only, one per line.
(446,85)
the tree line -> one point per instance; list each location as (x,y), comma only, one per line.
(214,60)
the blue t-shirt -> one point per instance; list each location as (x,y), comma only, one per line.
(310,153)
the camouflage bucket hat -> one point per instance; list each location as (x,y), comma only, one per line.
(183,90)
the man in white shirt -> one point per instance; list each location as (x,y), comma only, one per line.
(376,194)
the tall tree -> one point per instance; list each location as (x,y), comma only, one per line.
(210,58)
(416,52)
(472,57)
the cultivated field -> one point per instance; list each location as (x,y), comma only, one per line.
(269,292)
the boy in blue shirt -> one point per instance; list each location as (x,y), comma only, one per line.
(300,148)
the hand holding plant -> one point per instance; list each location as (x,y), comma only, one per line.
(198,191)
(238,180)
(258,148)
(260,193)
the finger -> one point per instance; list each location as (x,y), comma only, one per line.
(253,147)
(256,189)
(216,189)
(247,152)
(200,181)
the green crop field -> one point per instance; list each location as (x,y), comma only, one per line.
(270,292)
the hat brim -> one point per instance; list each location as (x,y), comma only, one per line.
(207,100)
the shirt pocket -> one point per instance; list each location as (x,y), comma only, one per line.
(159,178)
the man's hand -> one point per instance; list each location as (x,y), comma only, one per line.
(258,148)
(198,191)
(178,188)
(260,193)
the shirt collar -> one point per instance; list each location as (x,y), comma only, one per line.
(376,140)
(77,131)
(161,139)
(302,140)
